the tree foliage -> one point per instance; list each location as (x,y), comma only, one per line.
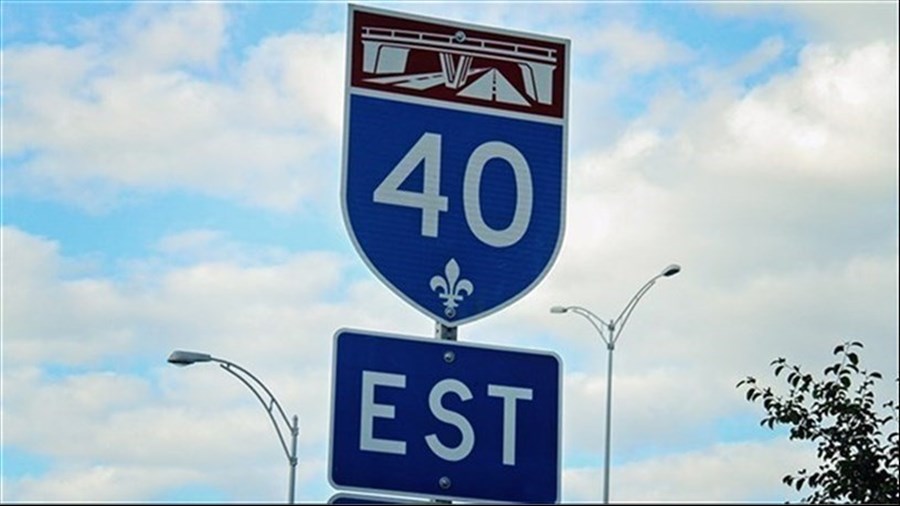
(858,447)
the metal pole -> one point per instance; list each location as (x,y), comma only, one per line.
(182,358)
(295,430)
(614,329)
(609,364)
(443,333)
(291,454)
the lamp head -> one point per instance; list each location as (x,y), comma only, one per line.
(183,358)
(558,309)
(671,270)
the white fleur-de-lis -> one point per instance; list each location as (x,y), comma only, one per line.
(450,288)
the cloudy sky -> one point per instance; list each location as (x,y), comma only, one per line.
(171,179)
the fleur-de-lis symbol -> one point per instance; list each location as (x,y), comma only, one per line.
(450,288)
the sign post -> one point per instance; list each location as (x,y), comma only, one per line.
(443,419)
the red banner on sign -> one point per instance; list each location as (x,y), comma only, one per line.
(457,63)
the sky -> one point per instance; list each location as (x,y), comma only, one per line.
(171,178)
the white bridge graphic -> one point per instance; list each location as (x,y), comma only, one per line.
(386,50)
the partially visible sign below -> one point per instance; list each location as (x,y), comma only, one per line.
(342,498)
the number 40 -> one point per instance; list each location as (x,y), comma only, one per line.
(427,150)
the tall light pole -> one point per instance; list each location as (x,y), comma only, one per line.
(184,358)
(610,331)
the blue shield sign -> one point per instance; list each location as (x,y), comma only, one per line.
(453,186)
(444,419)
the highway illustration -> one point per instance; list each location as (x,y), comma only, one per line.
(478,68)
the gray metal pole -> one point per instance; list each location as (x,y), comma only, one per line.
(182,358)
(291,455)
(443,333)
(609,364)
(295,430)
(612,327)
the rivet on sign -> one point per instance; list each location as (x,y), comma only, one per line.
(444,482)
(449,357)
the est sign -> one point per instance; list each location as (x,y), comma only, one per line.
(444,419)
(453,184)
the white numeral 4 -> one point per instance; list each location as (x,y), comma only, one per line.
(430,200)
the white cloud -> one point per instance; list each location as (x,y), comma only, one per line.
(186,34)
(99,484)
(764,54)
(759,167)
(667,408)
(734,472)
(829,119)
(542,18)
(46,317)
(633,50)
(190,242)
(730,79)
(298,77)
(133,113)
(845,23)
(269,317)
(85,319)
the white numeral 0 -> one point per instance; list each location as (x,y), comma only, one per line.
(428,150)
(472,194)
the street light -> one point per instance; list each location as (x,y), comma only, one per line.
(610,336)
(184,358)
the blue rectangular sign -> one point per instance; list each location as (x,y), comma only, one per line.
(444,419)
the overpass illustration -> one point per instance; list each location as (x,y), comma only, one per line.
(386,51)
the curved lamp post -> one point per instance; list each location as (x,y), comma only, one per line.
(184,358)
(610,331)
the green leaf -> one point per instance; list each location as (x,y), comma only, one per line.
(855,457)
(814,480)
